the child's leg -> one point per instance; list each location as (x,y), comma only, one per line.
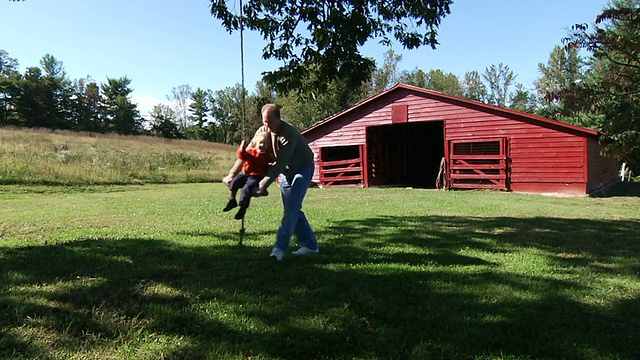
(248,189)
(237,182)
(245,196)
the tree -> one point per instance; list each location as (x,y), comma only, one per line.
(120,114)
(30,99)
(85,107)
(303,112)
(180,97)
(227,115)
(473,88)
(199,108)
(9,79)
(499,80)
(42,96)
(386,76)
(57,93)
(523,100)
(163,122)
(8,65)
(562,69)
(318,42)
(435,80)
(611,88)
(447,83)
(415,77)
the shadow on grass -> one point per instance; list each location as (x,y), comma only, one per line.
(228,237)
(383,288)
(622,189)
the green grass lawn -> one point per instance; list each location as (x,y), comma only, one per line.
(157,272)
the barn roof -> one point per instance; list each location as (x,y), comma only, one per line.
(454,99)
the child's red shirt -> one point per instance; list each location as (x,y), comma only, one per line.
(255,163)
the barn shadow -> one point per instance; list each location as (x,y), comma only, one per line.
(386,287)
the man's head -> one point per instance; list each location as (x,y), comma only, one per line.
(271,117)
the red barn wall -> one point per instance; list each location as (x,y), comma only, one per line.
(348,130)
(542,158)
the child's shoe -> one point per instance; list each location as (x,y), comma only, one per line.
(240,213)
(230,205)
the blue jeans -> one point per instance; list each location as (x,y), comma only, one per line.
(294,188)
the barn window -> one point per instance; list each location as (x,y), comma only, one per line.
(478,164)
(477,148)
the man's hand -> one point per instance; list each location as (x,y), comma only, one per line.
(258,192)
(262,188)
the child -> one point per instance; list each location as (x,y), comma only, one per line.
(256,157)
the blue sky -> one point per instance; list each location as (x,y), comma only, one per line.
(161,44)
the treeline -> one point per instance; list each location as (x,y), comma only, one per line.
(44,97)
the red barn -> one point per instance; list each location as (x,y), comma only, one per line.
(415,137)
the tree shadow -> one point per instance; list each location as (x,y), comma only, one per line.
(248,235)
(384,287)
(570,242)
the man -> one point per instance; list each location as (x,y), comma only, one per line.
(294,165)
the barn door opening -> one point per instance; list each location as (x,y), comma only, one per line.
(406,154)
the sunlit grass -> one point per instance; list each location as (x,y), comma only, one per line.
(66,158)
(157,271)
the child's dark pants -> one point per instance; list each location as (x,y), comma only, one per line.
(249,185)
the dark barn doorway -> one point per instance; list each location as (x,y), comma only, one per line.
(407,154)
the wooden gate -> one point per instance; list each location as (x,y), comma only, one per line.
(478,164)
(344,166)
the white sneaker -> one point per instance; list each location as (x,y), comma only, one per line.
(277,253)
(305,251)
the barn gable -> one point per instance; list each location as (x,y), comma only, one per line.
(412,136)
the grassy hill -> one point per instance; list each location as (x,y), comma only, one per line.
(45,157)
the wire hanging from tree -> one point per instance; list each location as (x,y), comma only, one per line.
(243,111)
(243,114)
